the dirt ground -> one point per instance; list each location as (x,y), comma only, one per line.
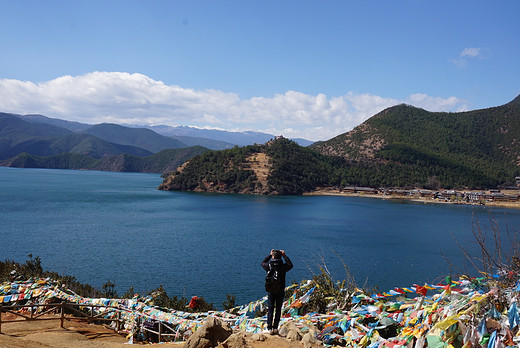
(80,334)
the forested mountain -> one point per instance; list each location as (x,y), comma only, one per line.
(479,148)
(17,129)
(160,162)
(157,130)
(403,146)
(73,126)
(278,167)
(139,137)
(43,145)
(18,136)
(190,136)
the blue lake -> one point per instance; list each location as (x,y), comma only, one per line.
(98,226)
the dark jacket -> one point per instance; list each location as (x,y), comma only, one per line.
(278,264)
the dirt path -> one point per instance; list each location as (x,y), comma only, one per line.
(80,334)
(48,333)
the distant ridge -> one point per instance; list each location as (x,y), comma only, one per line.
(18,136)
(161,162)
(515,101)
(190,136)
(139,137)
(235,138)
(73,126)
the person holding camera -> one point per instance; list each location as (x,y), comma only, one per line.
(276,268)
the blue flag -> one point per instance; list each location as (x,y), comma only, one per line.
(514,318)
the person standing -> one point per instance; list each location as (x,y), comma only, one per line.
(276,269)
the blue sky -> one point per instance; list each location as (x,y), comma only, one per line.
(311,69)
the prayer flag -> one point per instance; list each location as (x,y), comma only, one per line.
(513,316)
(421,290)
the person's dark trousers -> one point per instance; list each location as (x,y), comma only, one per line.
(274,301)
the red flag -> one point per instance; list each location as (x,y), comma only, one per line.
(194,302)
(421,290)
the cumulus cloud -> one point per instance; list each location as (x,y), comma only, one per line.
(137,99)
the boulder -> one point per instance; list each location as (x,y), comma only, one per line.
(286,327)
(313,330)
(294,335)
(236,340)
(210,334)
(258,337)
(309,341)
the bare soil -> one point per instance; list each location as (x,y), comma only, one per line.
(80,334)
(259,163)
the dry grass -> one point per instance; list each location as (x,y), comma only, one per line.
(259,163)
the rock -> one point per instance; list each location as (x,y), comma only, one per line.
(294,335)
(210,334)
(309,341)
(313,330)
(288,326)
(258,337)
(237,340)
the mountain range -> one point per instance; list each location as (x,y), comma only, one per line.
(402,146)
(39,141)
(211,138)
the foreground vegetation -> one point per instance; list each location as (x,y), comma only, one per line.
(32,268)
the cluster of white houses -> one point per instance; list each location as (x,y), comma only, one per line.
(441,195)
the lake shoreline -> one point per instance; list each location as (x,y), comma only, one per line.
(339,193)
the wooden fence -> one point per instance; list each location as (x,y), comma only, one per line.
(67,310)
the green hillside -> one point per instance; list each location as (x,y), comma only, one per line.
(160,162)
(292,170)
(18,136)
(61,161)
(18,130)
(91,146)
(408,146)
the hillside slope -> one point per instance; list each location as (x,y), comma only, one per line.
(483,145)
(19,136)
(278,167)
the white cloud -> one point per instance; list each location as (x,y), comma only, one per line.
(436,103)
(137,99)
(470,52)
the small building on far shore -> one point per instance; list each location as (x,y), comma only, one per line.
(358,189)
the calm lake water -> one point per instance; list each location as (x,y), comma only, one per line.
(98,226)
